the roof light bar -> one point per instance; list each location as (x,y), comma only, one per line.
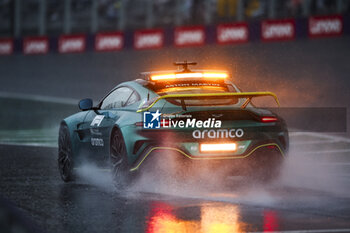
(215,75)
(162,77)
(189,75)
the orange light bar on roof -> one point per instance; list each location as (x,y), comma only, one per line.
(218,147)
(215,75)
(189,75)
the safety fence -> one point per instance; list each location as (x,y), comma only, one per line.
(184,36)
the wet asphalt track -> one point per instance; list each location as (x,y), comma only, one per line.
(30,179)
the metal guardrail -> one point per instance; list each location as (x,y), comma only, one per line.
(52,17)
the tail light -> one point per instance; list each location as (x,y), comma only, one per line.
(268,119)
(164,123)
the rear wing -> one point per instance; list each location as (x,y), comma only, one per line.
(247,95)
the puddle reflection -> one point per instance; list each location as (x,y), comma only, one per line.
(157,216)
(207,219)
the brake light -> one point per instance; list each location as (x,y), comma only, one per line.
(268,119)
(189,75)
(218,147)
(165,123)
(215,75)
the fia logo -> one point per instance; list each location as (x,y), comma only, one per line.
(151,120)
(97,120)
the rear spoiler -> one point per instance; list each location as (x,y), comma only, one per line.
(248,95)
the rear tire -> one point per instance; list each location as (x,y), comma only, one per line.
(65,158)
(118,160)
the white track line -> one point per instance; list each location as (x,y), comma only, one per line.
(327,151)
(312,142)
(336,164)
(28,144)
(308,231)
(319,135)
(50,99)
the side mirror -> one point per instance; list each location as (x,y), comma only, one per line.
(85,104)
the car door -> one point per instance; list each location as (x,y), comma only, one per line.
(101,121)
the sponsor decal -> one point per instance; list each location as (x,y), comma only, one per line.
(218,133)
(189,36)
(320,26)
(232,33)
(191,123)
(97,142)
(113,41)
(6,46)
(97,120)
(272,30)
(212,127)
(36,45)
(151,120)
(149,39)
(71,44)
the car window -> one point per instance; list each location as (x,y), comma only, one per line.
(117,98)
(133,98)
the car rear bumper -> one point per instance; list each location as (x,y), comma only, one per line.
(252,154)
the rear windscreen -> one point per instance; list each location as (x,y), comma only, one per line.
(197,88)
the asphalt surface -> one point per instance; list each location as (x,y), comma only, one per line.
(29,178)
